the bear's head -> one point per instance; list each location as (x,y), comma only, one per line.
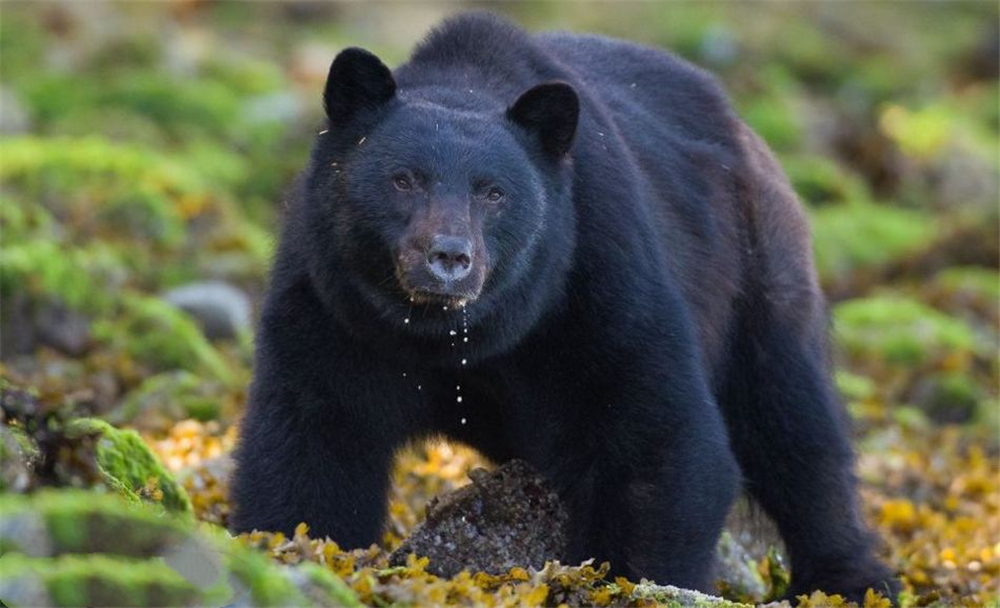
(434,196)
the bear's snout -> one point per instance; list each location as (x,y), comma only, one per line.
(449,258)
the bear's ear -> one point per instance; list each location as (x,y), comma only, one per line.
(358,80)
(550,111)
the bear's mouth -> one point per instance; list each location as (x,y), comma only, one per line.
(422,289)
(437,298)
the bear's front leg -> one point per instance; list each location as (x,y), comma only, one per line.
(653,500)
(302,457)
(317,440)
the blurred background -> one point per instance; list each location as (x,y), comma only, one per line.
(145,151)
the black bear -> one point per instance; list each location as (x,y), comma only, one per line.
(566,249)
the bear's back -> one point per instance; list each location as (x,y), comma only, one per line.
(644,87)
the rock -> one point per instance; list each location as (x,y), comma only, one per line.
(221,310)
(947,397)
(510,517)
(25,324)
(62,328)
(675,597)
(504,518)
(14,117)
(736,570)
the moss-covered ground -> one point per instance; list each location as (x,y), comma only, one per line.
(145,145)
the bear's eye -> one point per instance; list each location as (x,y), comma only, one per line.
(402,183)
(495,195)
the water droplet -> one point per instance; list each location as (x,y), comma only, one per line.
(444,308)
(458,399)
(466,339)
(452,332)
(406,320)
(419,387)
(404,374)
(464,361)
(458,388)
(464,421)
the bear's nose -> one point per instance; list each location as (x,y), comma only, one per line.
(449,257)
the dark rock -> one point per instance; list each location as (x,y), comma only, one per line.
(62,328)
(510,517)
(221,310)
(24,325)
(504,518)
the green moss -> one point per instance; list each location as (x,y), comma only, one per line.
(821,181)
(63,165)
(130,467)
(106,551)
(100,580)
(854,387)
(268,584)
(168,397)
(183,107)
(898,331)
(246,76)
(22,43)
(773,112)
(977,282)
(21,219)
(81,278)
(131,189)
(88,522)
(854,236)
(163,337)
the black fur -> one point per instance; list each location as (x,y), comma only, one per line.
(643,316)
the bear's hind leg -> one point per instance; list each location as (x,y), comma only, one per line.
(791,438)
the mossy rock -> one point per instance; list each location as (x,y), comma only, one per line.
(43,270)
(974,281)
(95,580)
(129,466)
(675,597)
(822,181)
(166,398)
(899,331)
(83,548)
(54,522)
(16,452)
(162,337)
(948,397)
(856,236)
